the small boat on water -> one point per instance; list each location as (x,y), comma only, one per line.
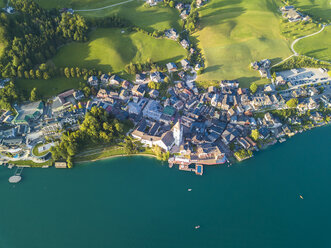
(15,179)
(189,190)
(197,227)
(301,197)
(282,140)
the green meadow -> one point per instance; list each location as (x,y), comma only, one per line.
(47,88)
(110,50)
(81,4)
(294,30)
(236,32)
(318,46)
(150,18)
(317,9)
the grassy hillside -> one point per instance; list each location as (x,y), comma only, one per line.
(151,18)
(110,50)
(81,4)
(315,8)
(236,32)
(318,46)
(47,88)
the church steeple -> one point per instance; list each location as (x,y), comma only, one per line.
(178,133)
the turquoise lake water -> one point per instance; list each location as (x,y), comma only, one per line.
(140,202)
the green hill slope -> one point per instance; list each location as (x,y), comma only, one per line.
(236,32)
(111,50)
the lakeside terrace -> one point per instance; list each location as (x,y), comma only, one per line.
(208,155)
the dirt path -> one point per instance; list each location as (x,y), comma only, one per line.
(296,41)
(106,7)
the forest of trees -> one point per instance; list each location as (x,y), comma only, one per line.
(98,127)
(8,96)
(33,34)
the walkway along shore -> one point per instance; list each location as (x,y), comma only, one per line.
(117,156)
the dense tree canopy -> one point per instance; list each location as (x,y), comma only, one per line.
(32,36)
(292,103)
(97,127)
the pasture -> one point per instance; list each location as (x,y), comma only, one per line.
(319,10)
(150,18)
(75,4)
(236,32)
(318,46)
(47,88)
(110,50)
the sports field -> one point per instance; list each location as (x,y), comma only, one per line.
(315,8)
(318,46)
(110,50)
(236,32)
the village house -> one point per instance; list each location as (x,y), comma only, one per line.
(157,77)
(185,44)
(171,34)
(154,94)
(93,81)
(171,67)
(115,80)
(105,78)
(138,90)
(185,64)
(185,13)
(142,78)
(136,107)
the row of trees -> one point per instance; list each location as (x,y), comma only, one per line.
(140,67)
(301,62)
(97,127)
(8,95)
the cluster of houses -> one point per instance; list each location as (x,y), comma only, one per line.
(201,126)
(263,67)
(290,13)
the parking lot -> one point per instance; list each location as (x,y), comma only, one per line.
(304,76)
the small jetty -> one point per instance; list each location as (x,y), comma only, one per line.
(17,176)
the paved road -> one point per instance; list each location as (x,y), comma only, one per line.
(106,7)
(303,37)
(297,54)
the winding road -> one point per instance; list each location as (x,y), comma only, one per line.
(106,7)
(296,41)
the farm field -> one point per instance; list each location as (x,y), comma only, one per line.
(110,50)
(315,8)
(47,88)
(318,46)
(236,32)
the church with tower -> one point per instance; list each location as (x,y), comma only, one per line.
(178,133)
